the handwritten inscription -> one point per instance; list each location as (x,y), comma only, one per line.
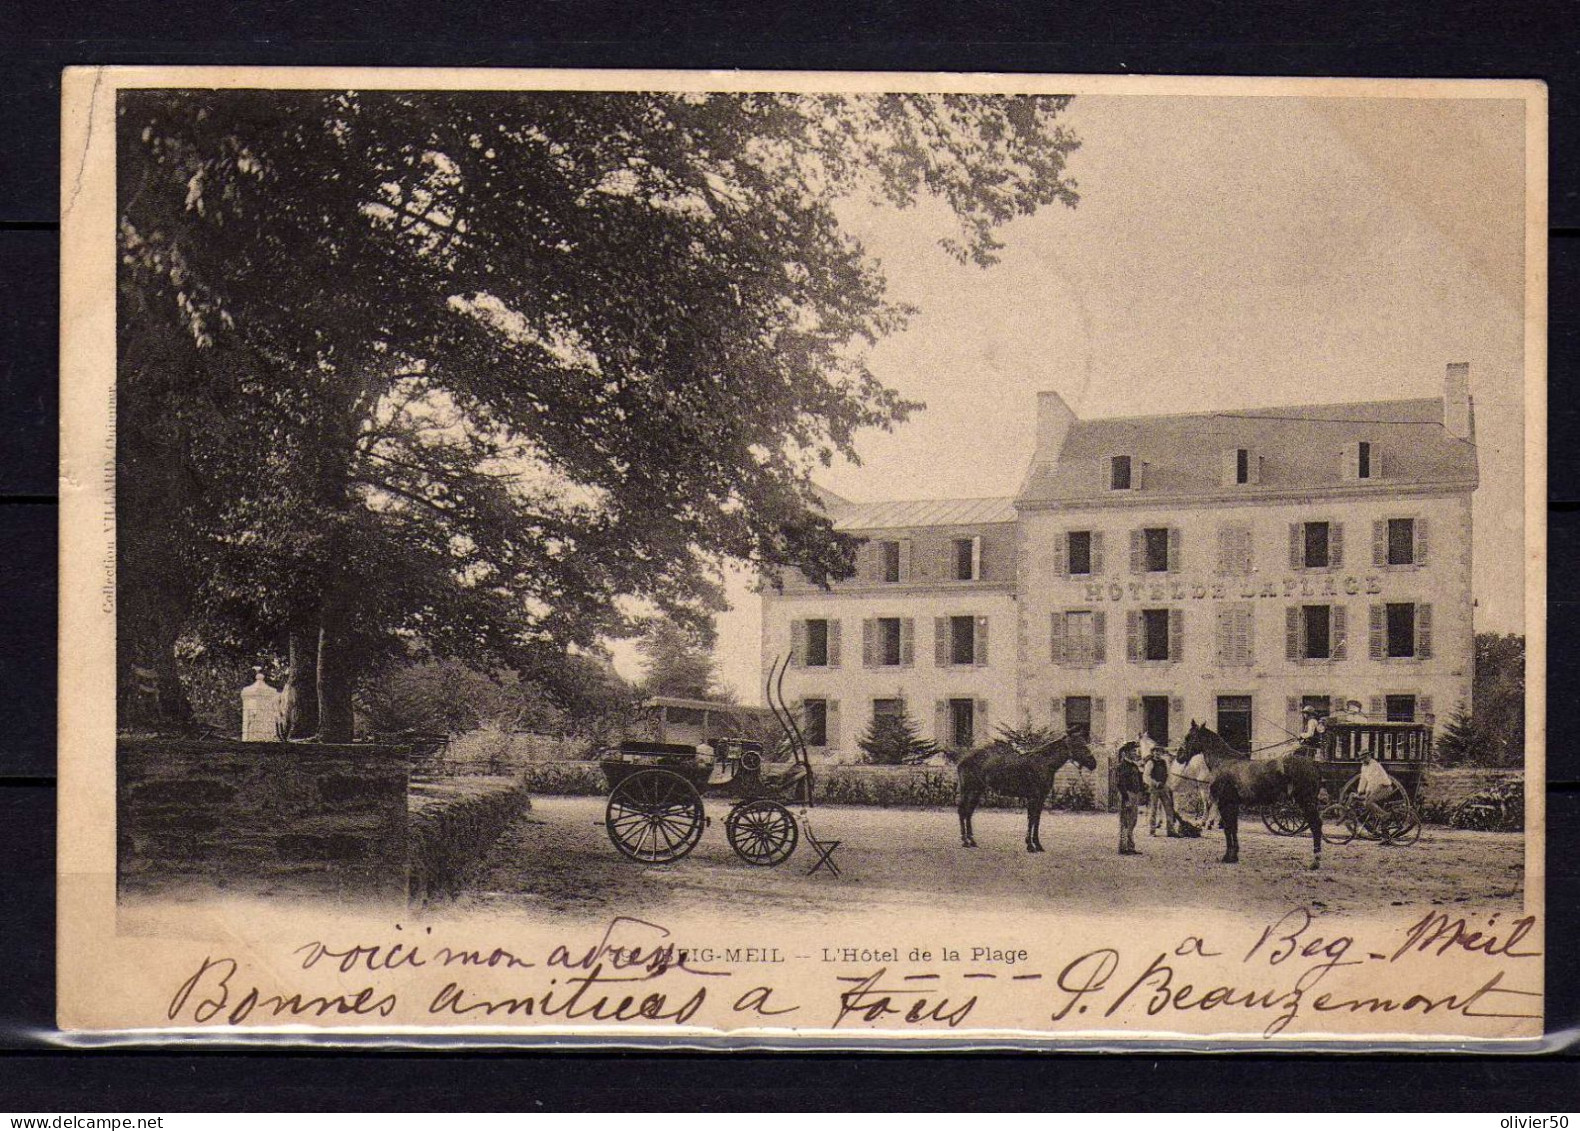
(1296,973)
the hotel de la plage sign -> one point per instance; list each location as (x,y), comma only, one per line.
(1237,589)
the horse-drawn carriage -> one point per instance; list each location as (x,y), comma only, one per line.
(1403,749)
(655,813)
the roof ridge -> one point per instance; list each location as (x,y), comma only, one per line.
(1245,412)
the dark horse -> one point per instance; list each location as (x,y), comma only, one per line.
(1238,780)
(1027,774)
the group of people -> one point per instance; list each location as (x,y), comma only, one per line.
(1143,774)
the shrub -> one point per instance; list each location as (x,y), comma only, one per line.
(893,740)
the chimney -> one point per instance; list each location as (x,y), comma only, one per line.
(1456,400)
(1053,425)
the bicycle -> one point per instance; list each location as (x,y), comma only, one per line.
(1349,817)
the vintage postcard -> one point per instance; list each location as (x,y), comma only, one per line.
(742,558)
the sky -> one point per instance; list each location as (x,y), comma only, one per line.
(1226,253)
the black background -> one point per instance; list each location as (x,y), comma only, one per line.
(39,37)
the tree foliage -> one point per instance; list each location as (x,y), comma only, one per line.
(895,740)
(462,370)
(1493,734)
(677,662)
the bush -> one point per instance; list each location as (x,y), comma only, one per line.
(893,740)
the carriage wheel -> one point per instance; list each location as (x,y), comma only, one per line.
(762,832)
(1338,823)
(1404,825)
(1284,819)
(654,816)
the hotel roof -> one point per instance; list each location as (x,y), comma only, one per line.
(923,512)
(1300,447)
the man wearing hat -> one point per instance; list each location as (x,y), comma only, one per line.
(1310,730)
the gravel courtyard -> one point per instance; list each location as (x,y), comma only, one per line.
(557,857)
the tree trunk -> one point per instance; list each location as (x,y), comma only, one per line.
(301,684)
(334,679)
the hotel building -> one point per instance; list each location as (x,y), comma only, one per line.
(1228,567)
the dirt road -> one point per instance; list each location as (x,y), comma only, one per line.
(558,858)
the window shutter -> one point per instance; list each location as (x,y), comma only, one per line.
(1061,554)
(797,643)
(1229,467)
(1423,632)
(941,731)
(981,643)
(868,631)
(1374,708)
(1254,468)
(1340,625)
(1247,554)
(1423,709)
(976,558)
(946,560)
(1176,540)
(867,561)
(1292,715)
(1132,717)
(1099,637)
(1138,552)
(905,559)
(1099,719)
(1132,635)
(980,723)
(1250,636)
(1380,542)
(1297,545)
(1375,633)
(1097,552)
(1176,718)
(833,643)
(832,727)
(1420,541)
(1226,541)
(1335,544)
(907,642)
(941,642)
(1138,470)
(1221,632)
(1176,635)
(1056,714)
(1292,632)
(1350,462)
(1056,636)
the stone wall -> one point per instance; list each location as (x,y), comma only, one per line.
(453,822)
(262,818)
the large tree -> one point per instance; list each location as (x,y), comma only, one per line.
(468,368)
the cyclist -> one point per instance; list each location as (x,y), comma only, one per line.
(1311,729)
(1376,786)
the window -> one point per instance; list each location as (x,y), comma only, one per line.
(1119,473)
(1078,714)
(1078,637)
(1401,629)
(966,559)
(1316,555)
(1080,551)
(962,640)
(962,723)
(1155,633)
(1234,721)
(1236,635)
(887,709)
(1157,549)
(1401,541)
(888,641)
(1318,643)
(814,721)
(1155,717)
(1242,465)
(1363,466)
(817,644)
(890,556)
(1399,708)
(1235,558)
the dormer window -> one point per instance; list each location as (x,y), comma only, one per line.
(1360,461)
(1241,467)
(1119,473)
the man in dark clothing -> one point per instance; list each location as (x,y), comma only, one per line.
(1132,792)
